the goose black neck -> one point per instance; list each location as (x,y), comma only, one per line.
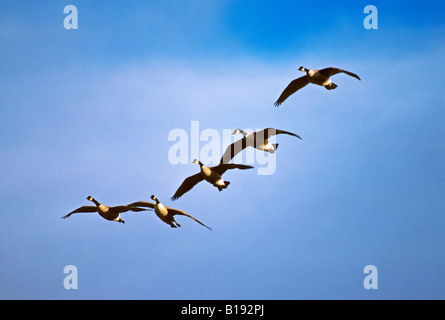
(244,133)
(95,202)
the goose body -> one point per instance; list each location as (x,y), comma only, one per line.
(257,139)
(106,212)
(319,77)
(212,175)
(165,213)
(161,211)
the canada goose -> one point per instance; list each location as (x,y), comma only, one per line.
(108,213)
(164,213)
(210,174)
(258,139)
(319,77)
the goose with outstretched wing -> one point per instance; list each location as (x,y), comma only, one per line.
(209,174)
(257,139)
(106,212)
(165,213)
(318,77)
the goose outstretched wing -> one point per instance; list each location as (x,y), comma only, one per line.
(121,209)
(223,167)
(332,71)
(187,185)
(233,150)
(268,132)
(180,212)
(292,87)
(142,204)
(84,209)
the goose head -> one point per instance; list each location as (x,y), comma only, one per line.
(93,200)
(196,161)
(153,197)
(238,131)
(303,69)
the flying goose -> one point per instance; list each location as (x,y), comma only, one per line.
(319,77)
(164,213)
(108,213)
(210,174)
(258,139)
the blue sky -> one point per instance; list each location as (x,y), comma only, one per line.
(88,112)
